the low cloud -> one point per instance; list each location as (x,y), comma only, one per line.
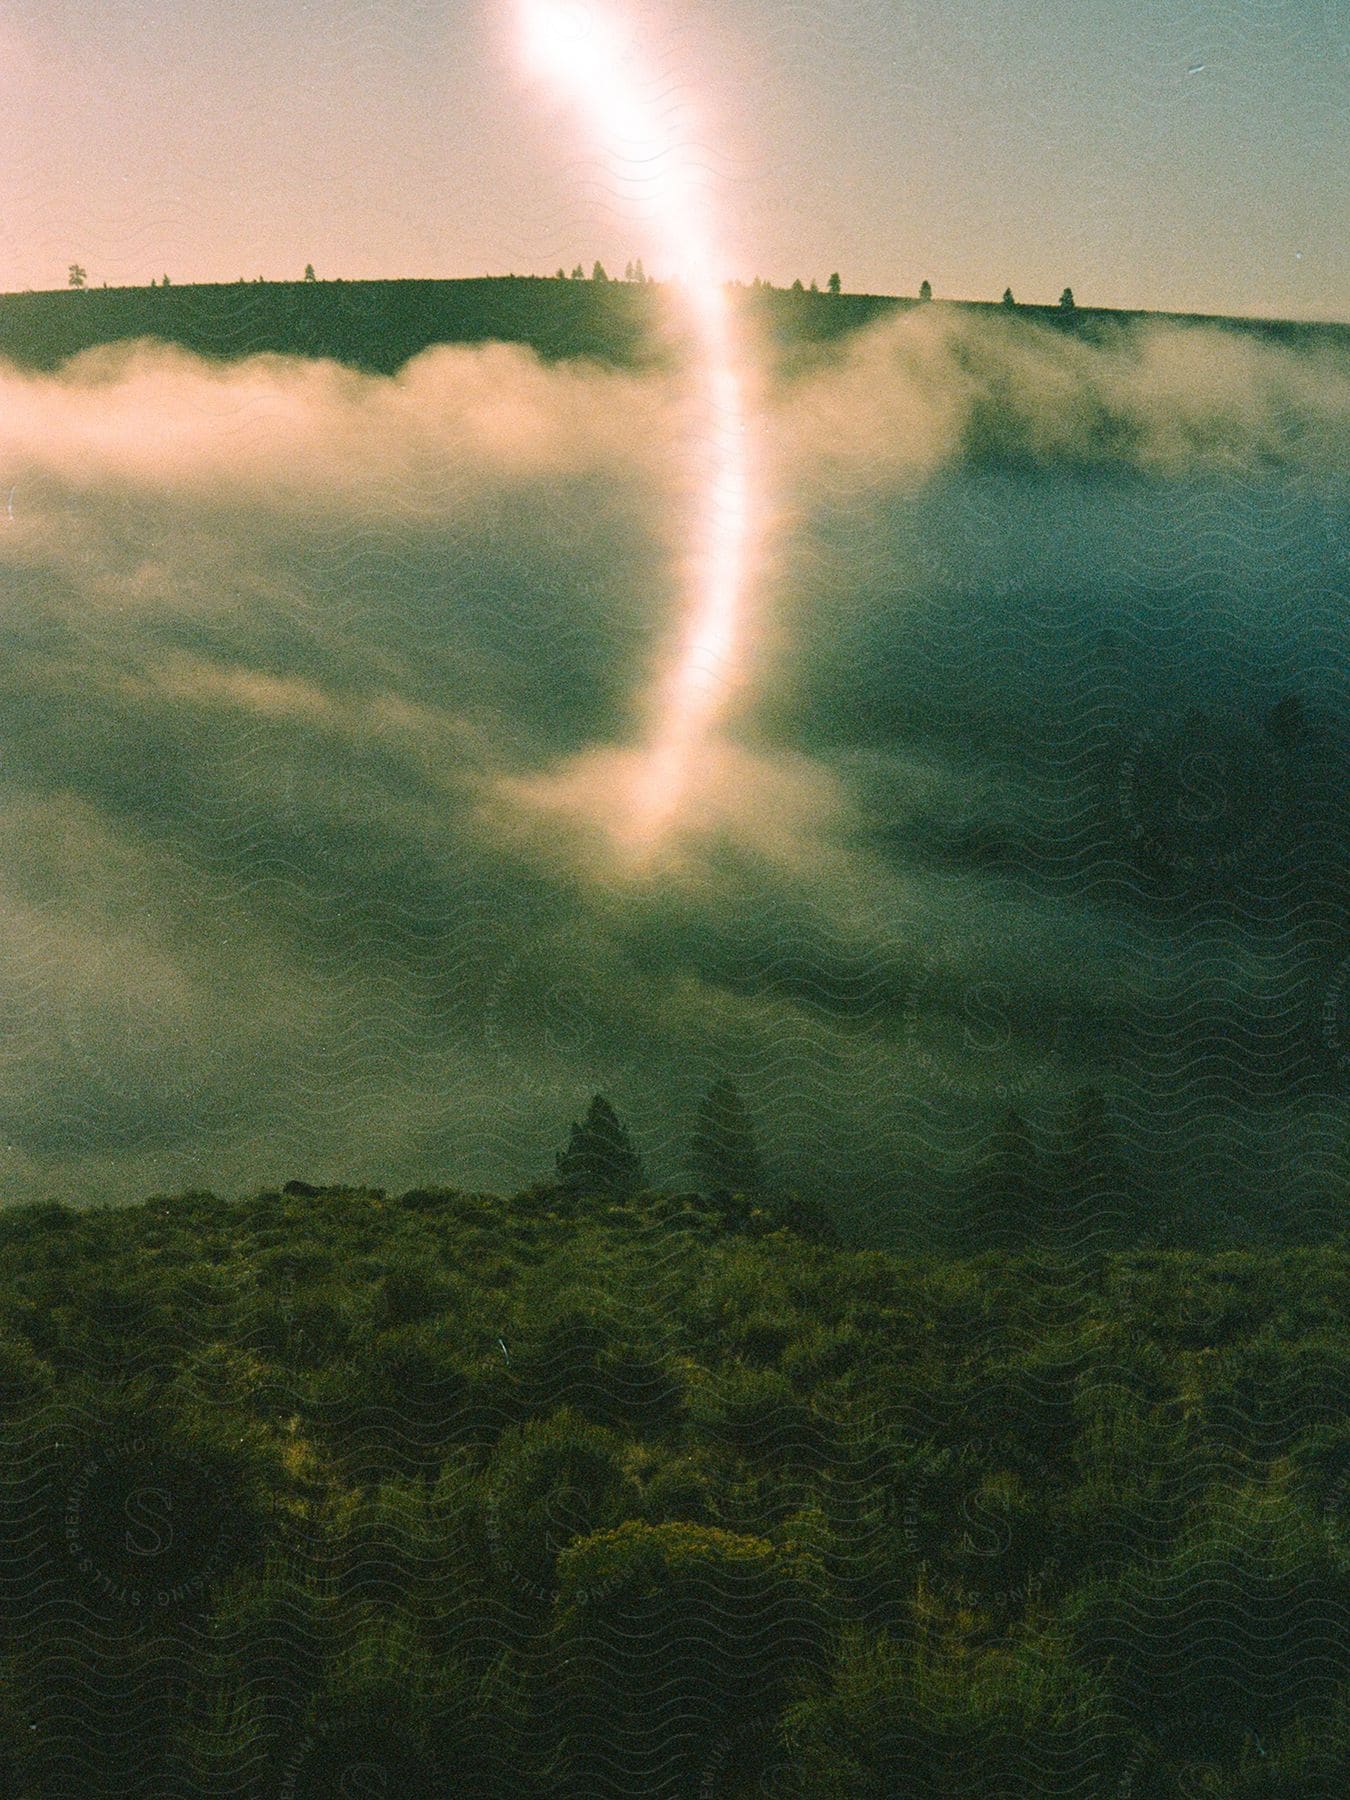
(319,690)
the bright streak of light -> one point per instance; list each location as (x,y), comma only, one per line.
(584,53)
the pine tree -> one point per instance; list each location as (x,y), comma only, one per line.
(724,1151)
(1008,300)
(599,1158)
(833,284)
(1067,303)
(925,290)
(1007,1209)
(1094,1189)
(628,270)
(639,273)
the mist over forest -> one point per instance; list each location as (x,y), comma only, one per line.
(316,680)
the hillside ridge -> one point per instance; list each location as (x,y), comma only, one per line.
(378,326)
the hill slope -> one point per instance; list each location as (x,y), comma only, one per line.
(328,1492)
(378,325)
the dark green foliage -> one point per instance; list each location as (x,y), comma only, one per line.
(709,1627)
(568,1496)
(599,1157)
(550,1482)
(949,1719)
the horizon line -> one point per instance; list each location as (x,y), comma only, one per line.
(755,285)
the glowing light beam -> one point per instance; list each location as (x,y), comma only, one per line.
(587,56)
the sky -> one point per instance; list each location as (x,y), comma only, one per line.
(1183,157)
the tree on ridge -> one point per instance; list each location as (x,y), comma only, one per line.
(599,1157)
(724,1151)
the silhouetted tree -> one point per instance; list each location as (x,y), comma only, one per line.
(77,276)
(309,272)
(1008,300)
(833,283)
(1066,301)
(1093,1190)
(797,287)
(578,274)
(1287,722)
(1007,1209)
(815,287)
(639,273)
(724,1150)
(599,1158)
(628,270)
(598,273)
(164,282)
(925,290)
(562,275)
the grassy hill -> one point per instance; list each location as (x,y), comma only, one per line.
(329,1491)
(379,325)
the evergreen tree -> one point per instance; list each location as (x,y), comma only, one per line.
(724,1150)
(1067,302)
(1288,723)
(628,270)
(639,273)
(309,272)
(814,288)
(1008,300)
(77,276)
(797,287)
(1094,1190)
(925,290)
(578,274)
(598,273)
(599,1158)
(833,284)
(1007,1209)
